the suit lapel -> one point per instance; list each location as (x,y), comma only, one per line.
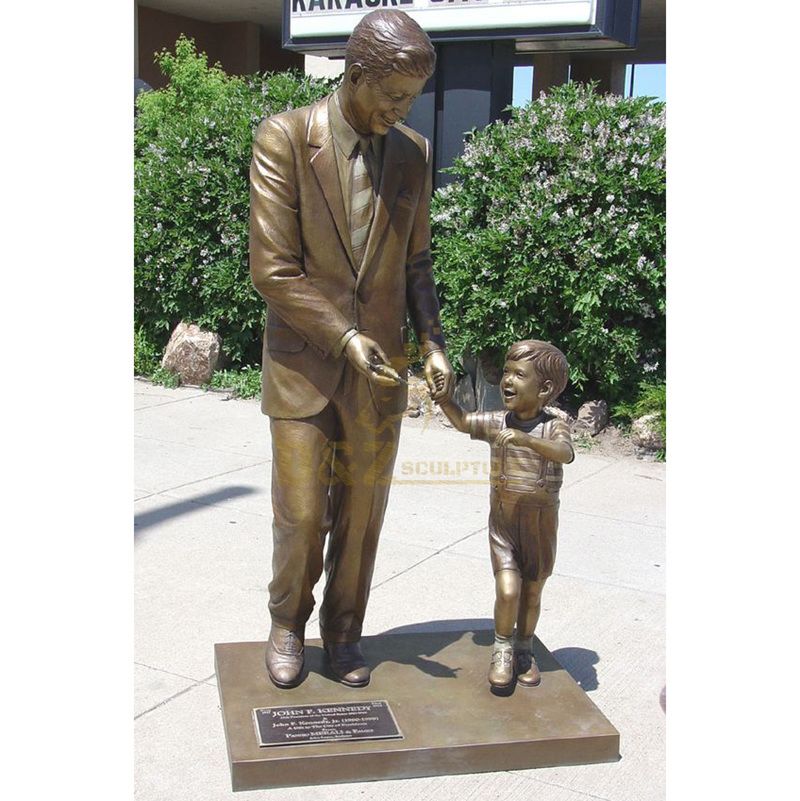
(323,162)
(391,176)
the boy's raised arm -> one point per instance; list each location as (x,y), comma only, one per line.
(455,414)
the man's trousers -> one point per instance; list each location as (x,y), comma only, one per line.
(331,475)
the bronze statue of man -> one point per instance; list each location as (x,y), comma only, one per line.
(340,251)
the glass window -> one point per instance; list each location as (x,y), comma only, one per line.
(523,86)
(646,80)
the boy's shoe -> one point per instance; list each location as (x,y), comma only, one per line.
(501,671)
(528,674)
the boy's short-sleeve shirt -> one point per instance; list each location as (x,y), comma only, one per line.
(516,469)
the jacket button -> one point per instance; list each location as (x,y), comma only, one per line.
(540,482)
(502,478)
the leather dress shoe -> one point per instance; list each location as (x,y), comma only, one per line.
(501,671)
(528,674)
(284,657)
(348,663)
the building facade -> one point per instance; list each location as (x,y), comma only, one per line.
(475,72)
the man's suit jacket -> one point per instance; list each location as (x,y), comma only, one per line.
(302,264)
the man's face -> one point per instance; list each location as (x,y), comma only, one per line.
(524,393)
(376,107)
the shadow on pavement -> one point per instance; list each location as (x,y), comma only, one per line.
(420,643)
(186,506)
(579,663)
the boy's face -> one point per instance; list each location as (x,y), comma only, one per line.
(524,392)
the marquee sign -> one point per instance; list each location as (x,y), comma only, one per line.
(324,25)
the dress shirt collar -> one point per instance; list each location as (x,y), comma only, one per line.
(344,135)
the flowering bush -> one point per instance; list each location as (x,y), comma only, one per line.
(193,143)
(555,230)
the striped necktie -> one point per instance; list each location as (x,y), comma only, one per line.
(362,201)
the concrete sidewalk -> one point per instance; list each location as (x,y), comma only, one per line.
(202,562)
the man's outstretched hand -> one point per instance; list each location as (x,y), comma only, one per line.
(367,356)
(439,375)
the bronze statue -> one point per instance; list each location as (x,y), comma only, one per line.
(340,251)
(528,448)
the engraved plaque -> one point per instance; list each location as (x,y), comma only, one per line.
(320,723)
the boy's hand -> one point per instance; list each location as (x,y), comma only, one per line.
(512,436)
(441,392)
(437,366)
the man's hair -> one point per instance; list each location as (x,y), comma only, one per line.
(548,361)
(387,41)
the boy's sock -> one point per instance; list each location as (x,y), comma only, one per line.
(527,670)
(501,671)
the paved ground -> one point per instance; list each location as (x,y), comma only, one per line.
(202,556)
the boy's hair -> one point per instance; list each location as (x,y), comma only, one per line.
(548,361)
(387,41)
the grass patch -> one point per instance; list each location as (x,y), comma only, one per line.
(243,383)
(165,378)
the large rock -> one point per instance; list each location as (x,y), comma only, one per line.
(419,399)
(561,414)
(192,353)
(592,418)
(488,397)
(464,394)
(645,433)
(469,363)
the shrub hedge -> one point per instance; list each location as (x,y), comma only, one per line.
(193,142)
(554,226)
(555,229)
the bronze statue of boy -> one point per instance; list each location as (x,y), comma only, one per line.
(529,447)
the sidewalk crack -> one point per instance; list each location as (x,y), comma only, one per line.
(570,484)
(430,556)
(560,786)
(209,478)
(167,403)
(614,519)
(174,696)
(169,672)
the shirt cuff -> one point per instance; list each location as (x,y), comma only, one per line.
(339,347)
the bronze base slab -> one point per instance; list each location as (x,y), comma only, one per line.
(435,684)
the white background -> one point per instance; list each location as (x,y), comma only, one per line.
(65,308)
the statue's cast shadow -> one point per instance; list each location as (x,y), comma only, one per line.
(423,647)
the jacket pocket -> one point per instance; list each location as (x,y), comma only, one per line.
(282,339)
